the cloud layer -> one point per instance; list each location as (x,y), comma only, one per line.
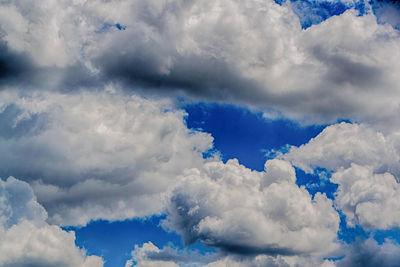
(252,52)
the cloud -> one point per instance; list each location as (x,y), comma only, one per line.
(90,154)
(368,253)
(253,53)
(360,253)
(13,65)
(368,199)
(149,255)
(340,145)
(387,12)
(93,155)
(25,237)
(245,212)
(364,163)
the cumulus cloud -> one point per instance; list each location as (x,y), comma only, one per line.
(249,52)
(25,237)
(364,163)
(96,155)
(368,199)
(339,145)
(245,212)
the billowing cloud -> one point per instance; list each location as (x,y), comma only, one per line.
(369,199)
(365,164)
(25,237)
(248,213)
(339,145)
(96,155)
(245,52)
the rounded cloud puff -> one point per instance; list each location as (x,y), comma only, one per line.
(231,207)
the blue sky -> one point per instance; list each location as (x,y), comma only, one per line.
(200,133)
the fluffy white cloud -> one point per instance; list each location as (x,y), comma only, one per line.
(139,255)
(25,237)
(96,155)
(339,145)
(364,163)
(253,52)
(369,199)
(241,211)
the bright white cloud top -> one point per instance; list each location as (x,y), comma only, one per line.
(90,126)
(247,212)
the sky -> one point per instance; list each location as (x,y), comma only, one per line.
(199,133)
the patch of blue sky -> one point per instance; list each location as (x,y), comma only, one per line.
(381,235)
(316,182)
(106,26)
(246,135)
(311,12)
(114,241)
(351,234)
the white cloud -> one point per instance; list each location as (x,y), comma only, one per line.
(364,163)
(339,145)
(368,199)
(96,155)
(25,237)
(241,211)
(139,255)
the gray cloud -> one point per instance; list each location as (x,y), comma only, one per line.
(254,54)
(14,66)
(96,155)
(368,253)
(27,240)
